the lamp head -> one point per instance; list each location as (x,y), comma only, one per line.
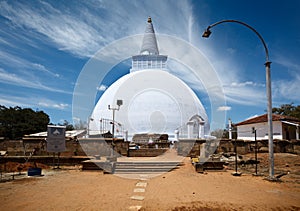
(119,102)
(206,33)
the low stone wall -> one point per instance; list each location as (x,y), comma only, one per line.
(244,147)
(147,152)
(47,160)
(103,147)
(80,147)
(192,148)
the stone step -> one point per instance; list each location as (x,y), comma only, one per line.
(145,167)
(168,163)
(132,166)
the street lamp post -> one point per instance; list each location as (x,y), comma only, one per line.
(206,34)
(119,103)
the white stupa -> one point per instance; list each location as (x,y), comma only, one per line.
(154,101)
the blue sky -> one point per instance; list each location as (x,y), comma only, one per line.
(45,44)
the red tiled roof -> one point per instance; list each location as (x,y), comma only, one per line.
(264,118)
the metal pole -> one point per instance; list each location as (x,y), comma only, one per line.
(119,103)
(270,129)
(255,152)
(235,151)
(53,160)
(206,34)
(113,132)
(113,124)
(88,127)
(58,154)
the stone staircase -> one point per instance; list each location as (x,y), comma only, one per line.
(136,165)
(145,167)
(132,167)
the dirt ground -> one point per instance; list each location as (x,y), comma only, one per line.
(181,189)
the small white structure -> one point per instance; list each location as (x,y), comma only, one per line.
(284,127)
(195,127)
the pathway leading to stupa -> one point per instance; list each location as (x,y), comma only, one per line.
(138,193)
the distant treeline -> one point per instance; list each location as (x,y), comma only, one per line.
(288,110)
(15,122)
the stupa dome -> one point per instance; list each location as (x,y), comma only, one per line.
(154,101)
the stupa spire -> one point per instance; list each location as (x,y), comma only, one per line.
(149,46)
(149,57)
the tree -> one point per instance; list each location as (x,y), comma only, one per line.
(16,122)
(219,133)
(80,125)
(68,125)
(288,110)
(224,133)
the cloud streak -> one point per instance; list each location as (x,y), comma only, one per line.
(33,102)
(13,79)
(85,35)
(287,89)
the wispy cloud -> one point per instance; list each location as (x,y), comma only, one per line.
(51,104)
(44,69)
(238,92)
(102,87)
(287,89)
(31,101)
(287,62)
(21,65)
(245,95)
(13,79)
(224,108)
(246,83)
(98,23)
(15,101)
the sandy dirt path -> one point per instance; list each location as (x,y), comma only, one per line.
(181,189)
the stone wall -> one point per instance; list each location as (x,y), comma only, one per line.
(192,148)
(90,147)
(150,152)
(103,147)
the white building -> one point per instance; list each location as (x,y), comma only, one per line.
(154,101)
(284,127)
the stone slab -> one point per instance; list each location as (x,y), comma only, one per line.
(141,184)
(137,207)
(139,198)
(139,190)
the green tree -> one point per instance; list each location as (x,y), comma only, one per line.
(288,110)
(68,125)
(16,122)
(219,133)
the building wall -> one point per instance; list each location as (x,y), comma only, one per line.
(245,131)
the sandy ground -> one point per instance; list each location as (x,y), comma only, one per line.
(181,189)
